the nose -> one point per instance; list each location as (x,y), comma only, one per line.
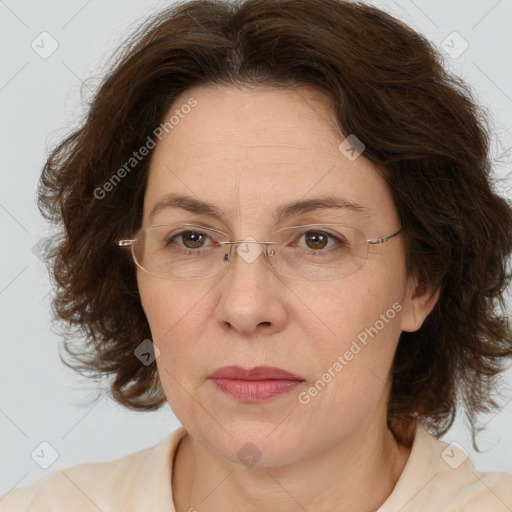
(252,295)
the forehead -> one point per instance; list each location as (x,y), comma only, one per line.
(250,150)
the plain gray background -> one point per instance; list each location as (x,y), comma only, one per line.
(41,400)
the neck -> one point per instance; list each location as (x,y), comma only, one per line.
(356,475)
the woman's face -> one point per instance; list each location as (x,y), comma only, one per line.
(248,152)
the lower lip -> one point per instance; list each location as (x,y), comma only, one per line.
(255,390)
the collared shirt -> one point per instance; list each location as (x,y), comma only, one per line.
(436,478)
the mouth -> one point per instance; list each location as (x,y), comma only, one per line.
(258,384)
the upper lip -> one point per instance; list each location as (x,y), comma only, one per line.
(256,373)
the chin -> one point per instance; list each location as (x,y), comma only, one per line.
(256,443)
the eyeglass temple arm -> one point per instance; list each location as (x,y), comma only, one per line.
(125,243)
(384,238)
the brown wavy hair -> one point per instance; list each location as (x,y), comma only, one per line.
(388,86)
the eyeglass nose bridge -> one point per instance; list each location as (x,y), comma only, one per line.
(269,254)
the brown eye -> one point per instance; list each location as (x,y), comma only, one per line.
(187,240)
(316,239)
(192,239)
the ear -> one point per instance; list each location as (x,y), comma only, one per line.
(419,301)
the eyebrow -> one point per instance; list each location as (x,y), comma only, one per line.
(283,212)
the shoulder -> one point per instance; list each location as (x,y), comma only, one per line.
(440,476)
(466,488)
(93,486)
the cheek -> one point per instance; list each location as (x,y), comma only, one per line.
(352,368)
(363,330)
(349,309)
(168,306)
(177,315)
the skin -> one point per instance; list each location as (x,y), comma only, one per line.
(248,151)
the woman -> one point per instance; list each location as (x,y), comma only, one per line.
(278,218)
